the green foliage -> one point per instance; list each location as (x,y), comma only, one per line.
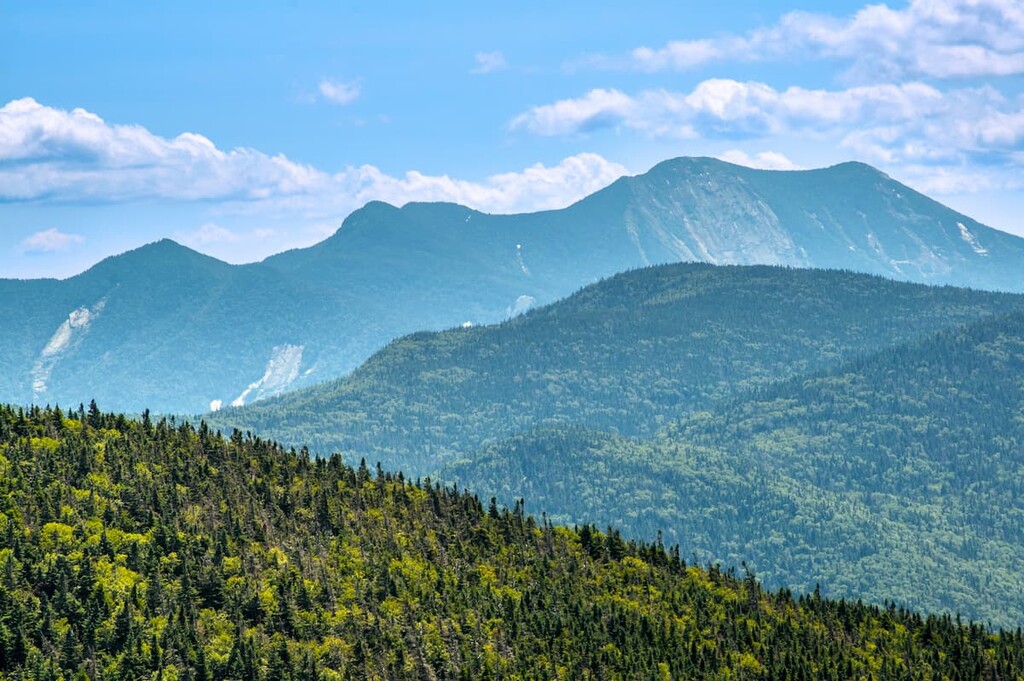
(896,476)
(133,550)
(627,355)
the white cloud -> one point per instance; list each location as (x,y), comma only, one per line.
(60,156)
(538,187)
(339,92)
(55,154)
(927,38)
(679,55)
(49,241)
(598,108)
(729,108)
(910,121)
(953,180)
(766,160)
(211,234)
(489,62)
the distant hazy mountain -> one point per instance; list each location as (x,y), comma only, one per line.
(161,327)
(166,328)
(628,354)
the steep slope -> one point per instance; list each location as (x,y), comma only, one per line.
(627,354)
(160,327)
(392,271)
(894,476)
(847,216)
(133,550)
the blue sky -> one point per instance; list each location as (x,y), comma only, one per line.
(244,128)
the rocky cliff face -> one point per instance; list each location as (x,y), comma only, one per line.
(848,216)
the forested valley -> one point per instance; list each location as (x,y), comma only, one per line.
(895,476)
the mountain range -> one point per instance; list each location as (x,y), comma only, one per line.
(893,476)
(167,328)
(812,376)
(627,355)
(823,427)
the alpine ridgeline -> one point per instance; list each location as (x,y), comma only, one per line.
(140,550)
(172,330)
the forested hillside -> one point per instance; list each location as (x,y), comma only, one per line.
(628,355)
(895,476)
(134,550)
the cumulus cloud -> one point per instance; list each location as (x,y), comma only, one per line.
(210,234)
(489,62)
(681,55)
(49,241)
(889,123)
(50,154)
(927,38)
(722,107)
(338,92)
(538,187)
(598,108)
(766,160)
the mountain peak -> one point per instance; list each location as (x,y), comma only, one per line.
(681,163)
(165,245)
(856,167)
(162,255)
(376,205)
(167,251)
(379,221)
(708,163)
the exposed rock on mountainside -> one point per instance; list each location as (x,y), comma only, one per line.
(180,331)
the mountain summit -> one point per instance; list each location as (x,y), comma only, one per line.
(848,216)
(174,330)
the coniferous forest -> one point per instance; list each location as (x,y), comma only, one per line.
(150,550)
(897,475)
(823,427)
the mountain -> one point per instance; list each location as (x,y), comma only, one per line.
(160,327)
(140,550)
(808,422)
(849,216)
(896,476)
(171,330)
(628,354)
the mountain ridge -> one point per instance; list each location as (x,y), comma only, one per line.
(909,457)
(624,354)
(389,271)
